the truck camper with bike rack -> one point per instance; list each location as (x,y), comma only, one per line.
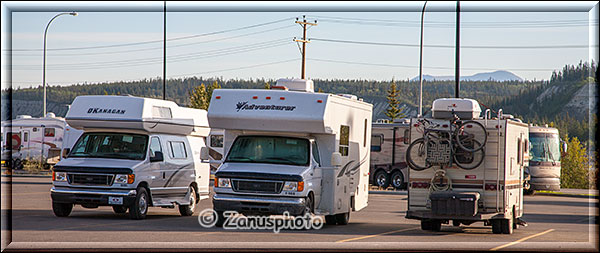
(466,168)
(289,149)
(134,153)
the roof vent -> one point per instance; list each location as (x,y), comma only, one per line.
(50,115)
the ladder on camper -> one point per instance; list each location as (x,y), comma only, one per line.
(490,129)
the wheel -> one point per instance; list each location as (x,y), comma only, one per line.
(310,205)
(17,164)
(330,220)
(469,160)
(188,210)
(426,224)
(436,225)
(119,209)
(496,226)
(507,226)
(220,217)
(342,218)
(139,208)
(456,223)
(398,180)
(529,192)
(61,209)
(476,132)
(416,155)
(382,179)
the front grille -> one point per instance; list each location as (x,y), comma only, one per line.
(256,186)
(90,179)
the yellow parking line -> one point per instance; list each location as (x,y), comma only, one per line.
(370,236)
(521,240)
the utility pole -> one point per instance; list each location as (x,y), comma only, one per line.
(457,74)
(164,50)
(304,26)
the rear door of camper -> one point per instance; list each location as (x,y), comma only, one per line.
(25,147)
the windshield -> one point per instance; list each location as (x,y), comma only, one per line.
(544,147)
(269,149)
(111,145)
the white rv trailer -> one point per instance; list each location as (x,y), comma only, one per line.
(38,139)
(491,192)
(291,151)
(134,153)
(388,154)
(543,172)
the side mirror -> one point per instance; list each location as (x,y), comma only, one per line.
(204,154)
(158,157)
(65,152)
(336,159)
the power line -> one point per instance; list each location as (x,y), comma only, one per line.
(238,68)
(450,46)
(155,41)
(412,67)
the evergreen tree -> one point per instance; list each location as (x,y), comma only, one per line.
(394,111)
(210,89)
(267,86)
(198,97)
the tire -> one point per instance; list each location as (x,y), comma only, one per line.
(463,138)
(473,159)
(529,192)
(456,223)
(507,226)
(310,205)
(496,227)
(436,225)
(342,218)
(61,209)
(397,180)
(188,210)
(220,218)
(139,208)
(417,150)
(382,179)
(330,220)
(426,225)
(17,164)
(119,209)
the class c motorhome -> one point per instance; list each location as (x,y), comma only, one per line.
(482,180)
(134,153)
(35,139)
(289,149)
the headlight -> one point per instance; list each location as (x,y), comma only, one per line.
(124,178)
(223,182)
(60,176)
(293,186)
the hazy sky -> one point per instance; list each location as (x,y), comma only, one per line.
(109,46)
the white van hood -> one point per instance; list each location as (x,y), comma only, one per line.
(262,168)
(99,163)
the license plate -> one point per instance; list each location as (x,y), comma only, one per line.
(115,200)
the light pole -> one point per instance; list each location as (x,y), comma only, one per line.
(421,65)
(44,65)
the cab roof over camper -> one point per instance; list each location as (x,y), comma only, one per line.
(294,107)
(128,112)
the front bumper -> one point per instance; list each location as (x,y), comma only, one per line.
(91,197)
(259,205)
(545,184)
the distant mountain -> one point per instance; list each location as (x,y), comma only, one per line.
(499,75)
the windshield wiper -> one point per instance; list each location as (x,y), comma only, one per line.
(236,159)
(282,159)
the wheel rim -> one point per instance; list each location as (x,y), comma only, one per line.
(142,204)
(397,180)
(381,179)
(192,200)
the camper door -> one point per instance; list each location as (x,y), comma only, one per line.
(25,144)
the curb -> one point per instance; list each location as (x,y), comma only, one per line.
(560,194)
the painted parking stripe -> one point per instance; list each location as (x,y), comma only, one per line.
(521,240)
(371,236)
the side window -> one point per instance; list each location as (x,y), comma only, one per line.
(155,146)
(315,153)
(25,137)
(178,149)
(216,141)
(519,151)
(49,132)
(376,141)
(344,139)
(365,140)
(406,136)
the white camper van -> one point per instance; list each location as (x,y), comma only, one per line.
(134,153)
(290,149)
(469,171)
(389,141)
(39,139)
